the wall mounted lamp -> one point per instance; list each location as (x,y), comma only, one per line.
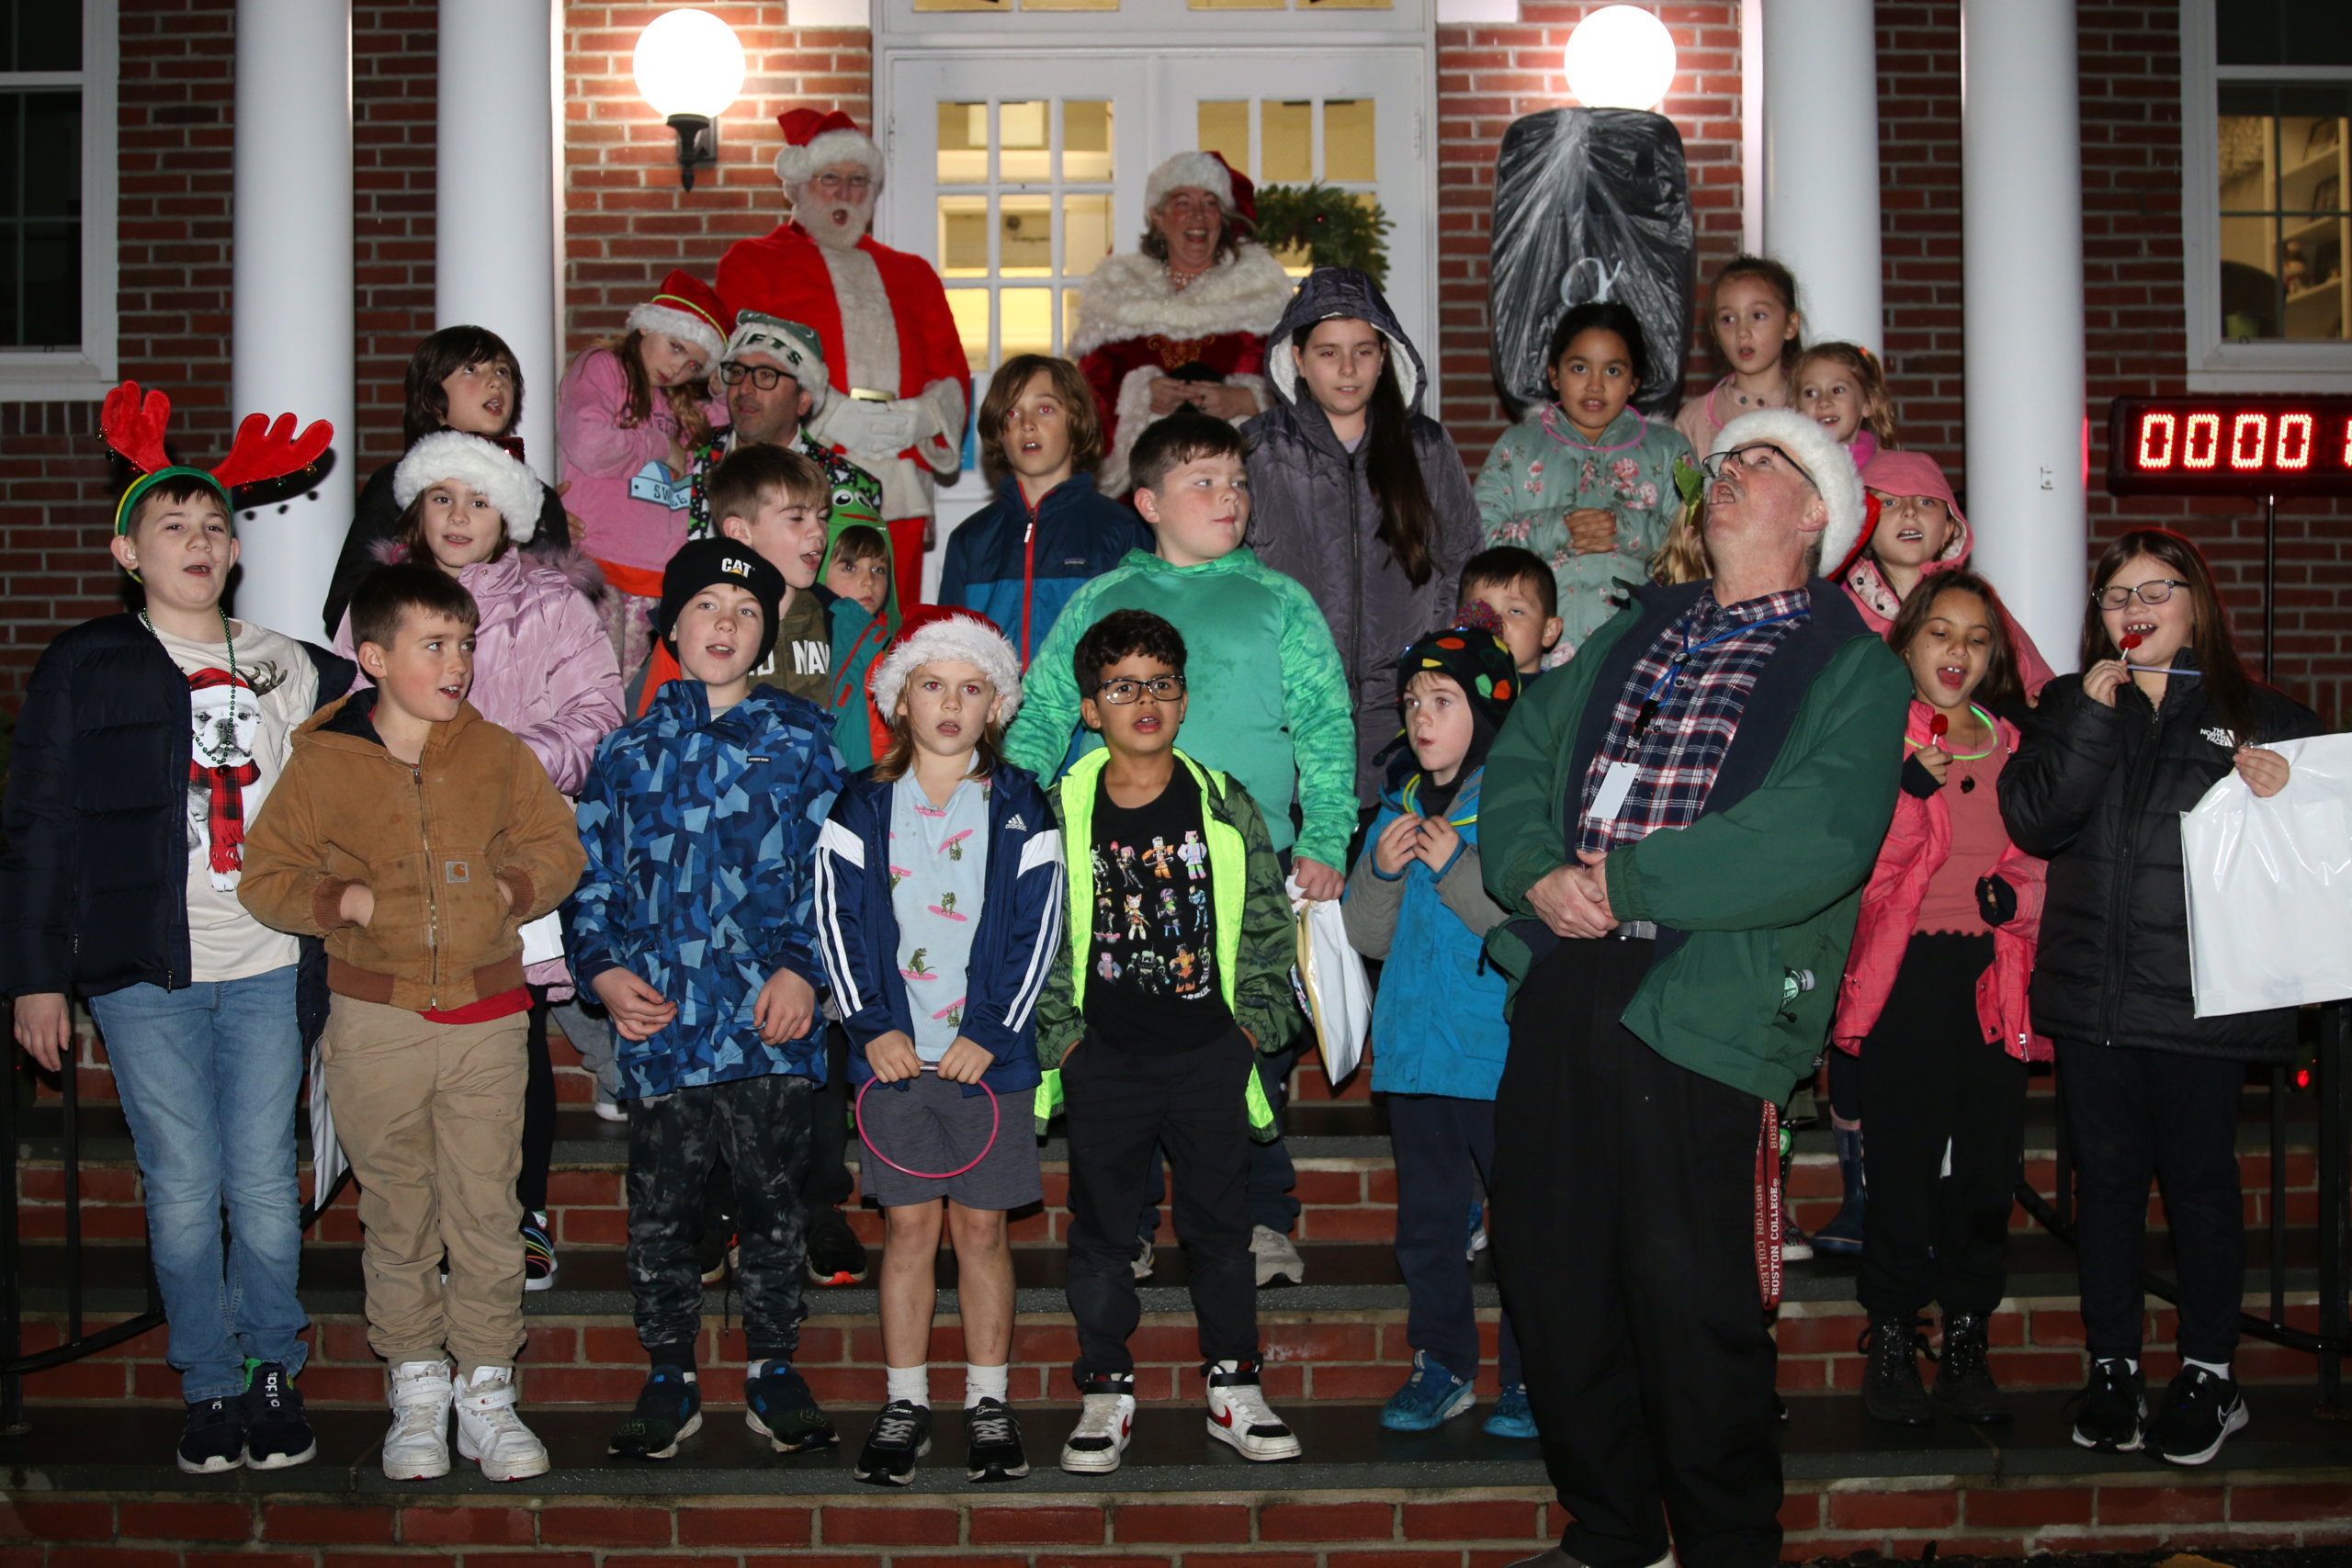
(1619,57)
(689,66)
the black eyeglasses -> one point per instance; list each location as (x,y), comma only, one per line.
(764,377)
(1120,692)
(2155,593)
(1757,456)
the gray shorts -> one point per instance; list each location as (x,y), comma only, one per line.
(930,1124)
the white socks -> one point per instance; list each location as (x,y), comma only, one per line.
(985,1382)
(910,1384)
(2219,1368)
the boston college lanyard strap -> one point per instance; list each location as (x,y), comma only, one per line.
(996,1119)
(1617,779)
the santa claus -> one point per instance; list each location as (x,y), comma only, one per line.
(1184,322)
(899,376)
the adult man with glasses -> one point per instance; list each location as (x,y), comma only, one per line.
(1680,821)
(900,378)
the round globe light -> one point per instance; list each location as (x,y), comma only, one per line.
(689,62)
(1619,57)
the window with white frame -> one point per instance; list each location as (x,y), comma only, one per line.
(57,192)
(2267,214)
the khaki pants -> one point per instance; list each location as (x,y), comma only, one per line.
(431,1117)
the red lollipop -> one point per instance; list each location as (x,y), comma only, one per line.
(1939,725)
(2130,641)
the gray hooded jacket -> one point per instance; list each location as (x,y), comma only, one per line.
(1313,514)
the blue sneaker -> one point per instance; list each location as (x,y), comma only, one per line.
(669,1410)
(1430,1397)
(1477,1243)
(1512,1415)
(784,1411)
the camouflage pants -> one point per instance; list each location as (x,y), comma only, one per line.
(761,1126)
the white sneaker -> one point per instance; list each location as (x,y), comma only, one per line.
(489,1430)
(417,1448)
(610,1109)
(1276,1257)
(1240,1418)
(1101,1436)
(1143,1261)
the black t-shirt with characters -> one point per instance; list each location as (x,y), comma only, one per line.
(1153,984)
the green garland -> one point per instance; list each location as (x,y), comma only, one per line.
(1330,225)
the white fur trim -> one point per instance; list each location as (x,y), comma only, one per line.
(794,165)
(1134,415)
(1825,461)
(684,325)
(1282,365)
(956,636)
(1197,171)
(1129,296)
(512,488)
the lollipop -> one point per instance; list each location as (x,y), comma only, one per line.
(2130,641)
(1939,725)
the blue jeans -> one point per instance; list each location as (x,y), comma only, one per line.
(209,1076)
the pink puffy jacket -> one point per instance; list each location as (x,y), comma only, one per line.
(1917,846)
(601,456)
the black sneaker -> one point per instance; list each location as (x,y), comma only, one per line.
(992,1434)
(214,1439)
(669,1410)
(1891,1388)
(539,1254)
(783,1410)
(835,1254)
(277,1435)
(901,1434)
(2200,1411)
(1964,1383)
(2111,1410)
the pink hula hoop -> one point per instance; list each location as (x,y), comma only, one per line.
(996,1121)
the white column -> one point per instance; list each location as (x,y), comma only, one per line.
(291,344)
(1751,125)
(1821,162)
(2022,220)
(495,217)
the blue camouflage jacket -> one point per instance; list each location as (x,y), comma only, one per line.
(701,836)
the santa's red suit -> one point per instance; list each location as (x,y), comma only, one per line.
(899,376)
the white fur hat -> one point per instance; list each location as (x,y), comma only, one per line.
(453,454)
(1199,171)
(1826,462)
(813,141)
(932,632)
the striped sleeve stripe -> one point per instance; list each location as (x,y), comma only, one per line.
(836,840)
(1041,959)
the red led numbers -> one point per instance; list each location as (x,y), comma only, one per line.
(2230,446)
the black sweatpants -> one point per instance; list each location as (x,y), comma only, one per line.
(1194,1104)
(2133,1114)
(1623,1233)
(1945,1114)
(539,1111)
(761,1126)
(1443,1145)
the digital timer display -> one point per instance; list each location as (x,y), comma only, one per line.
(2230,446)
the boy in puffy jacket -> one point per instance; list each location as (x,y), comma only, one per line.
(418,837)
(1438,1035)
(694,927)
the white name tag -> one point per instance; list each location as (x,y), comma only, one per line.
(1615,784)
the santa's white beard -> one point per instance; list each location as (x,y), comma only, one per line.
(838,223)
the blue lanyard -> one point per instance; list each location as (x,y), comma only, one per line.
(1674,667)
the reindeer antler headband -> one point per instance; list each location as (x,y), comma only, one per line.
(263,450)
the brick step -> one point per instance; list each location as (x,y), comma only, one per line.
(1339,1337)
(103,1477)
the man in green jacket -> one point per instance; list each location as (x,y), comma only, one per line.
(1681,822)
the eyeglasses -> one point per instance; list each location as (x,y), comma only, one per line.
(834,184)
(1755,457)
(2155,593)
(1163,688)
(764,377)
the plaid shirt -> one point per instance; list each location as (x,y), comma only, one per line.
(1697,712)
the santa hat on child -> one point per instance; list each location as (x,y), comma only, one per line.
(1825,463)
(1211,173)
(512,488)
(689,310)
(932,632)
(814,141)
(794,347)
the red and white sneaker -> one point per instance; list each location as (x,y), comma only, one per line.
(1238,1417)
(1104,1426)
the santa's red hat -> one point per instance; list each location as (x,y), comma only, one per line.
(1208,172)
(689,310)
(814,141)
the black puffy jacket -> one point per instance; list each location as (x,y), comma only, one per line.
(94,885)
(2098,791)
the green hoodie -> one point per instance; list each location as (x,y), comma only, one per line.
(1756,899)
(1268,699)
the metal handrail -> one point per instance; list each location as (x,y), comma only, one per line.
(2332,1096)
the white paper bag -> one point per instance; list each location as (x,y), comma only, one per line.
(1332,981)
(542,939)
(327,1163)
(2270,884)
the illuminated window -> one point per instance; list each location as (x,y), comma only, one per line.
(1023,214)
(1295,141)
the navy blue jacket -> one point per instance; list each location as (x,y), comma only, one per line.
(1020,571)
(1014,946)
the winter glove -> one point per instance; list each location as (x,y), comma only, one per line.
(1995,900)
(869,428)
(1916,780)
